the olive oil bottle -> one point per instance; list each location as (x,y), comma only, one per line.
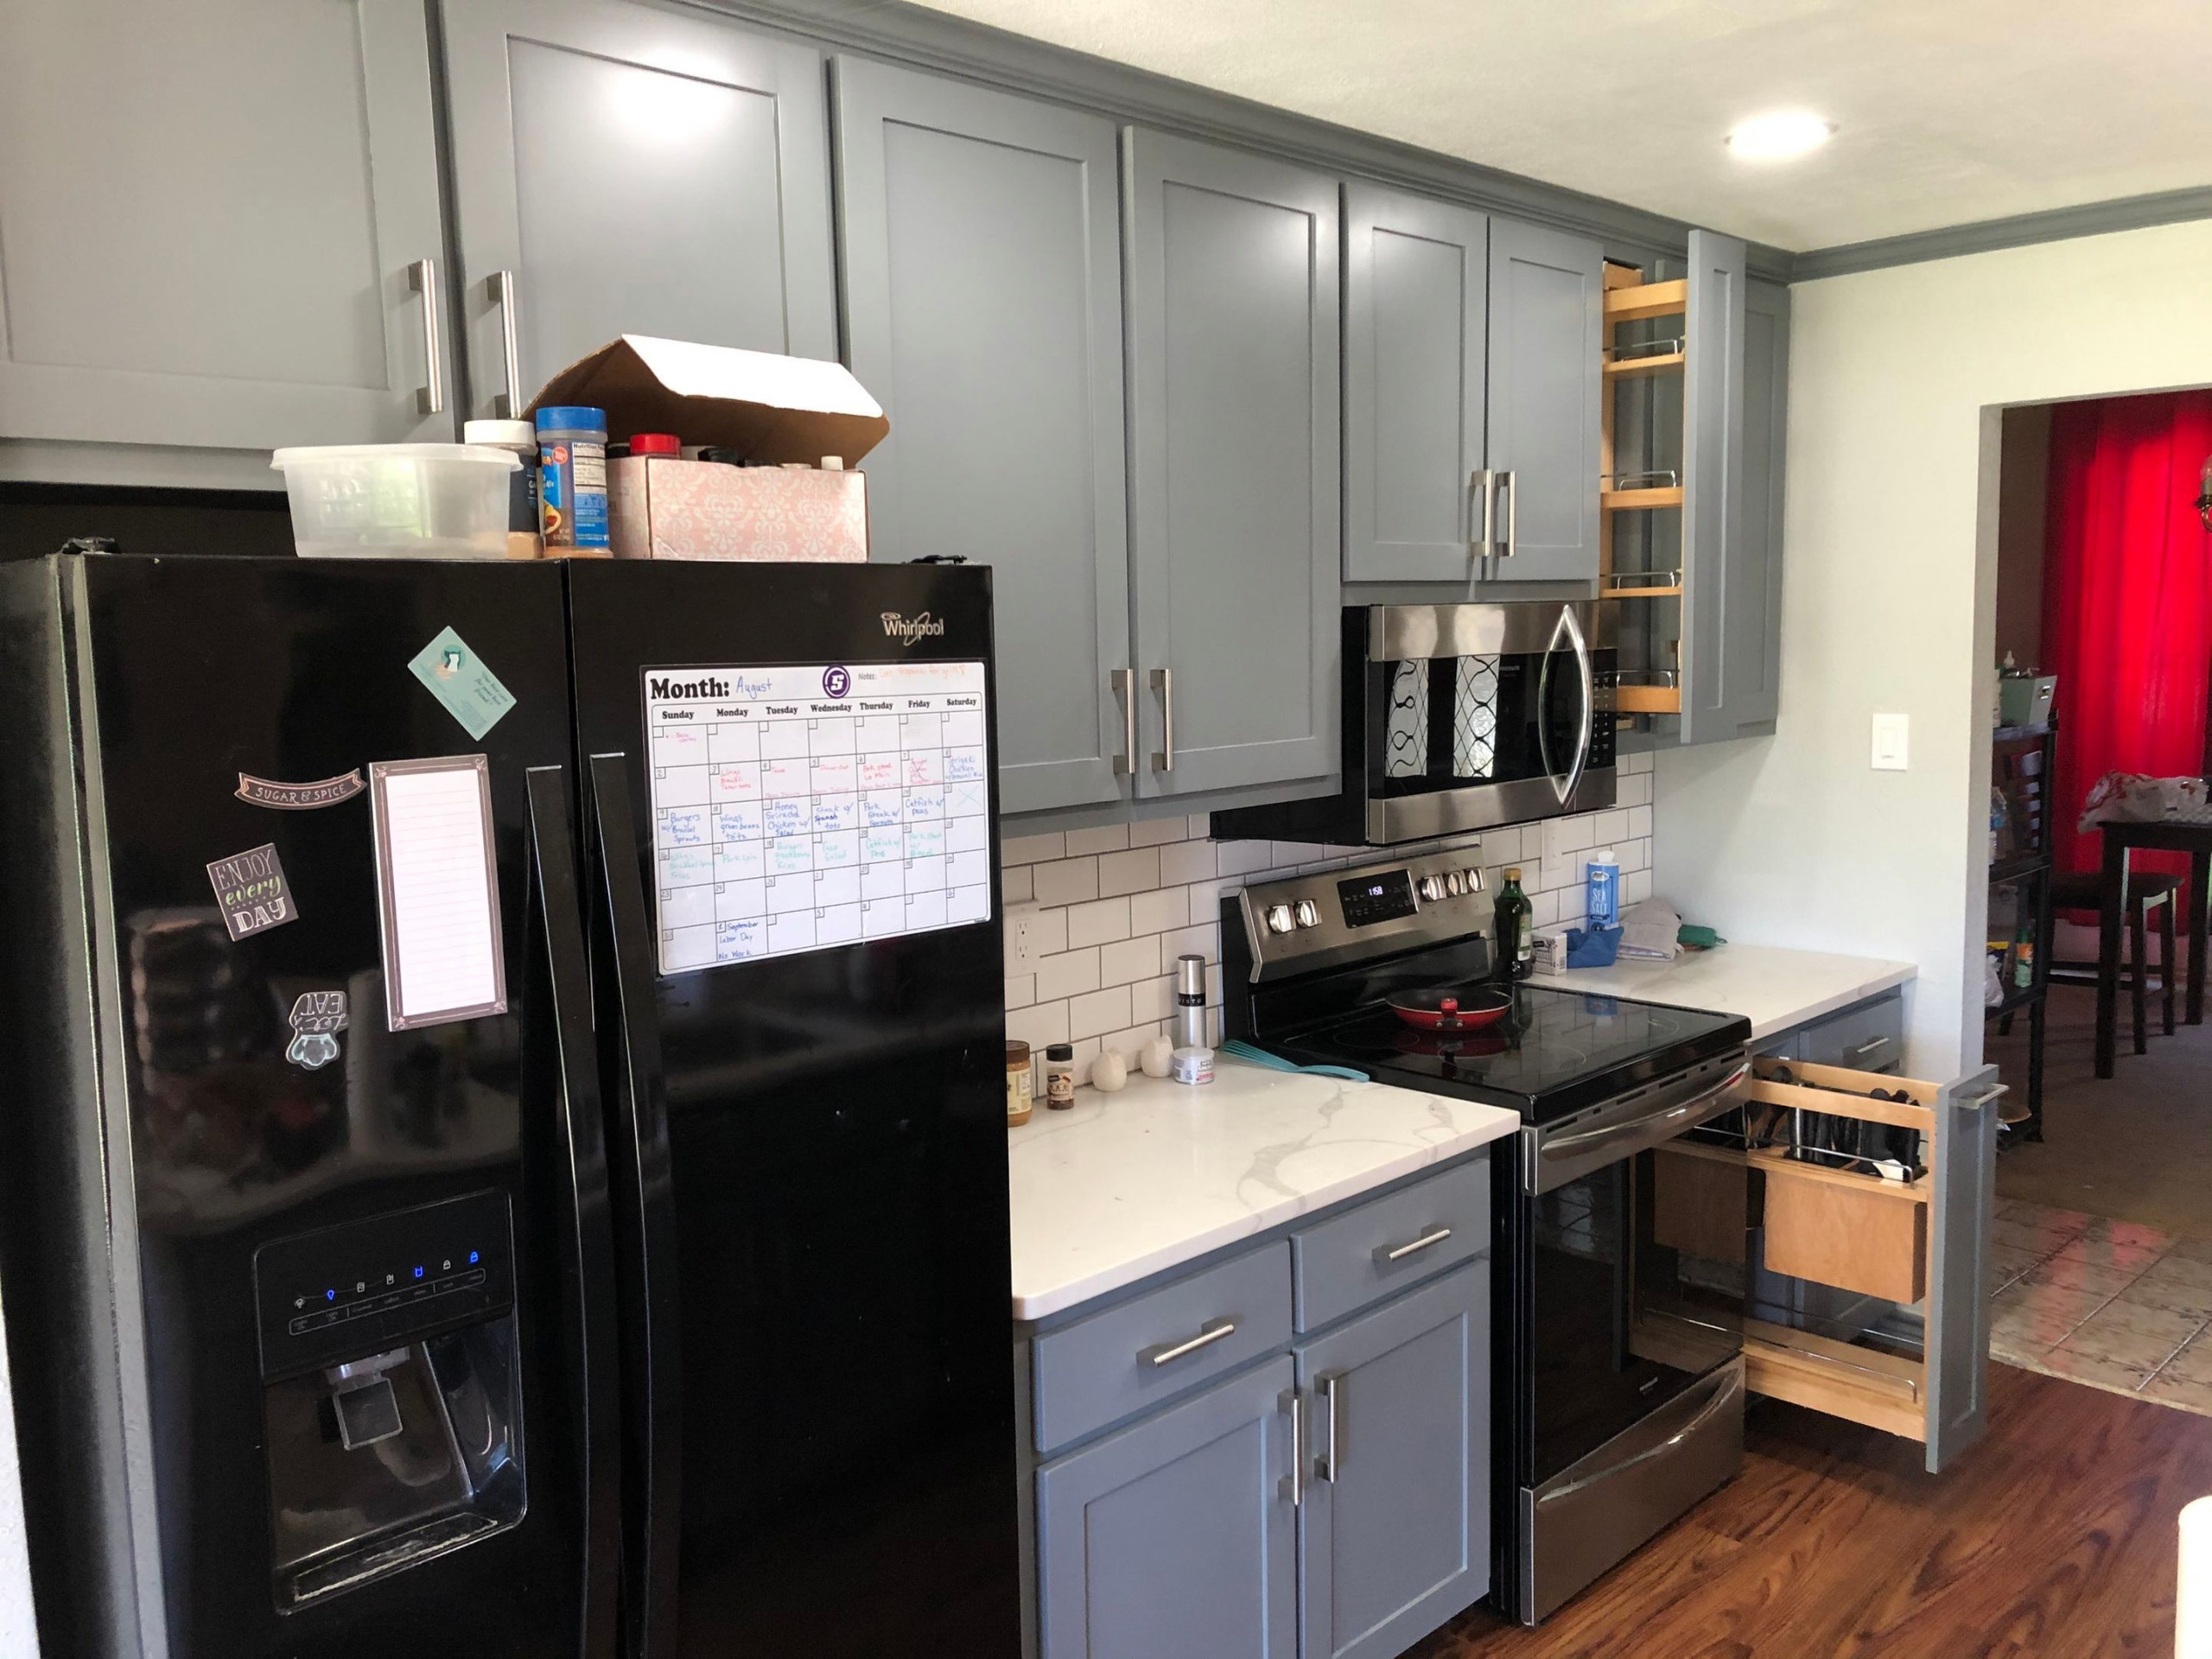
(1513,944)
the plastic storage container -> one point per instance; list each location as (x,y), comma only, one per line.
(398,500)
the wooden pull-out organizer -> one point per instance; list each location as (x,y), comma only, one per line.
(1921,1242)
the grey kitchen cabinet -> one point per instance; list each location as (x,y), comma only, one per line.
(1174,1539)
(1394,1530)
(624,168)
(1235,465)
(1416,312)
(979,240)
(211,220)
(1735,397)
(1546,291)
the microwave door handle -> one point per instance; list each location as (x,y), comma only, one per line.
(586,1250)
(643,1210)
(1587,732)
(1543,718)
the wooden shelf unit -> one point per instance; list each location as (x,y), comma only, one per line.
(1630,368)
(1640,500)
(1629,298)
(1640,302)
(1647,699)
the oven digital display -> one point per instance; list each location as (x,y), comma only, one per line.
(1373,899)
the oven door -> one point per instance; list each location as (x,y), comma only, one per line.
(1483,714)
(1634,1218)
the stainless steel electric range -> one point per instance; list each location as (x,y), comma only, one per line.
(1619,1258)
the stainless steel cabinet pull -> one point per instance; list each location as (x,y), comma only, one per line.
(1331,1464)
(1125,688)
(1485,484)
(1212,1331)
(422,277)
(1872,1046)
(1294,1488)
(500,288)
(1384,1252)
(1163,681)
(1512,514)
(1984,1099)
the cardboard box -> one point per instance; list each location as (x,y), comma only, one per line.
(659,508)
(764,407)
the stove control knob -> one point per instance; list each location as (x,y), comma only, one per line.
(1474,879)
(1309,914)
(1431,888)
(1279,919)
(1456,883)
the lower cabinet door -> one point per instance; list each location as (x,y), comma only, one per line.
(1396,1525)
(1175,1538)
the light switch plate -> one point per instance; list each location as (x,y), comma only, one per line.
(1893,742)
(1021,951)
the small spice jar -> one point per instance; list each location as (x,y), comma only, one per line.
(1019,1102)
(1059,1077)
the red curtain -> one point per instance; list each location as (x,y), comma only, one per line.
(2127,601)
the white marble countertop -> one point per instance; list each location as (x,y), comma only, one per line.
(1125,1184)
(1774,988)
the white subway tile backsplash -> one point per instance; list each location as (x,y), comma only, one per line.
(1067,974)
(1137,872)
(1187,861)
(1126,960)
(1045,1023)
(1158,911)
(1099,1012)
(1115,907)
(1153,832)
(1068,881)
(1637,762)
(1111,839)
(1096,922)
(1201,825)
(1032,850)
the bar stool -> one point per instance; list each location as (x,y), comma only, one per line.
(2140,894)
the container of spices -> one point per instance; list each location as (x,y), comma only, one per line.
(519,439)
(1019,1102)
(1059,1077)
(572,480)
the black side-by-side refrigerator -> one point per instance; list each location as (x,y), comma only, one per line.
(501,1148)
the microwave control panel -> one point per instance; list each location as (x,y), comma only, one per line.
(359,1288)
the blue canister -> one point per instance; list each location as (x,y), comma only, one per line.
(1602,889)
(572,478)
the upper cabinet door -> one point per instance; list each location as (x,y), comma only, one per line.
(207,218)
(1234,431)
(1546,293)
(1712,485)
(1751,635)
(637,171)
(981,249)
(1416,283)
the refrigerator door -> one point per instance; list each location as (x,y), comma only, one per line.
(317,1370)
(795,917)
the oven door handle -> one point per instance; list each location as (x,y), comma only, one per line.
(1588,1138)
(1725,1389)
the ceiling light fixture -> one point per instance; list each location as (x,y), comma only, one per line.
(1781,136)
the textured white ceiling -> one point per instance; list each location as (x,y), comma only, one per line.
(1947,111)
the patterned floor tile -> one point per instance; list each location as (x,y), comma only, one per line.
(2194,1361)
(2083,1368)
(2115,1254)
(2073,1273)
(2186,1392)
(2147,1319)
(2100,1339)
(2181,1270)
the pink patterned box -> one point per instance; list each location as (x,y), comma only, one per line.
(662,508)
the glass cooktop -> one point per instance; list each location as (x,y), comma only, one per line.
(1557,1053)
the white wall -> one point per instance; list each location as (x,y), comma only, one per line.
(1888,598)
(18,1640)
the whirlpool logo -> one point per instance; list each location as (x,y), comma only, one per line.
(907,629)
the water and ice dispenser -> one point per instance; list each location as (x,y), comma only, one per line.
(392,1394)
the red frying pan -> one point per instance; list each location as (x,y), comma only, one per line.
(1463,1010)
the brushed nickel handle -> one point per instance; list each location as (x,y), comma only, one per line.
(1163,682)
(1435,1236)
(1125,689)
(1512,513)
(430,399)
(500,287)
(1331,1464)
(1485,484)
(1872,1046)
(1294,1488)
(1212,1331)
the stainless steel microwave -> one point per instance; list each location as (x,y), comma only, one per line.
(1461,717)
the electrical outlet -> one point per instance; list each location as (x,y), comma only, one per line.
(1893,742)
(1021,951)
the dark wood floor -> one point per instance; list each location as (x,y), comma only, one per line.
(2053,1536)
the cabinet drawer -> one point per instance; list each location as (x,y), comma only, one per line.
(1869,1038)
(1132,1358)
(1379,1249)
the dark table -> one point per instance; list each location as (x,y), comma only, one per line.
(2195,839)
